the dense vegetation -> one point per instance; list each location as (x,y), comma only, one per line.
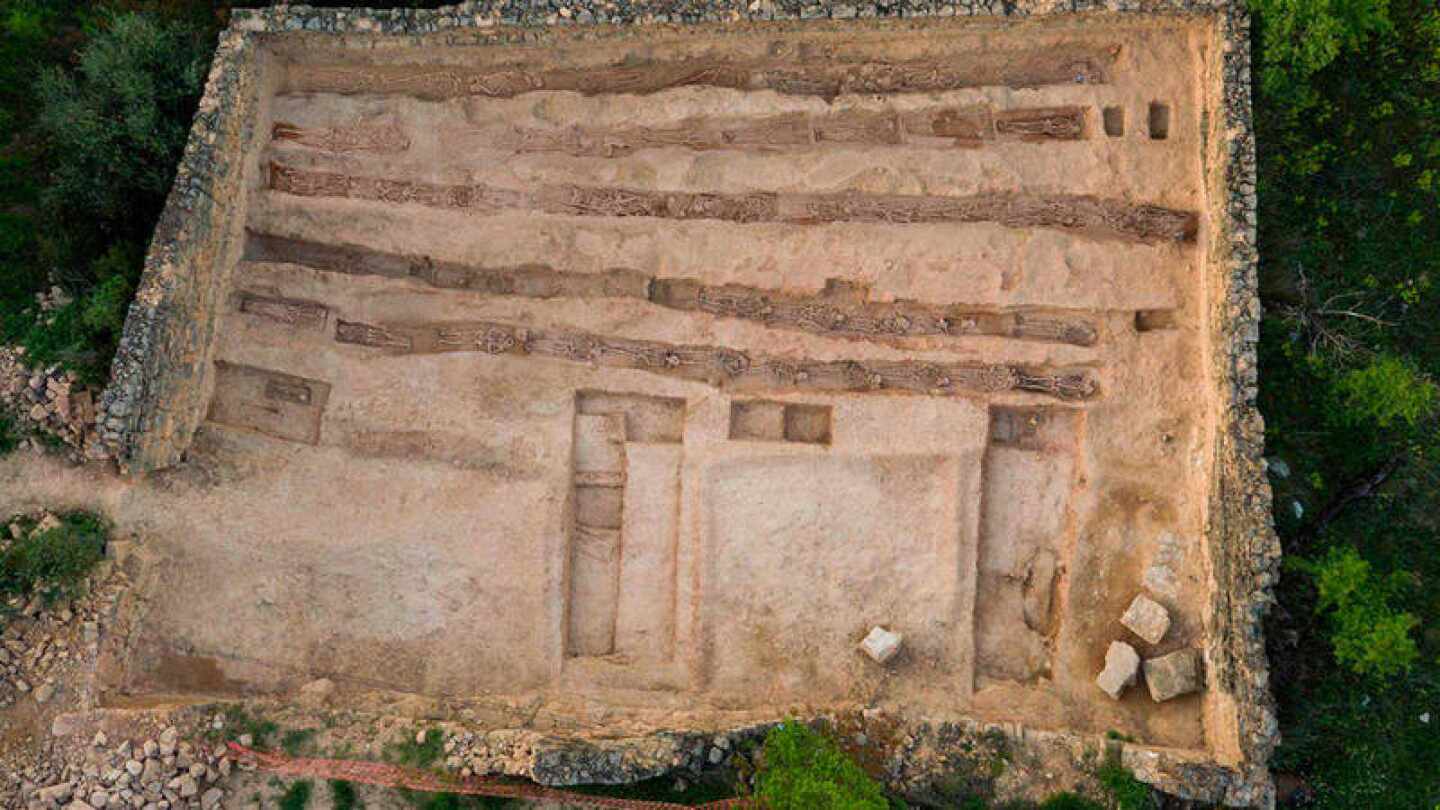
(95,105)
(96,98)
(1348,124)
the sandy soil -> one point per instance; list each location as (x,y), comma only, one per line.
(501,480)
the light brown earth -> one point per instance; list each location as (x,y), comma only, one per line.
(641,395)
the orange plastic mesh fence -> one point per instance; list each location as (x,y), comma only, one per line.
(396,776)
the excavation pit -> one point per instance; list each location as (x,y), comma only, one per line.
(649,368)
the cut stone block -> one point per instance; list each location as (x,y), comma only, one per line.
(1122,664)
(881,645)
(1147,619)
(1173,675)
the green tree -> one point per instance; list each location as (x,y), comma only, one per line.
(1369,635)
(115,128)
(1304,36)
(1347,117)
(1389,391)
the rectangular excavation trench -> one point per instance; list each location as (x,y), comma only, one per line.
(708,355)
(623,546)
(1024,539)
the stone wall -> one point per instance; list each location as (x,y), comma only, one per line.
(160,375)
(1244,549)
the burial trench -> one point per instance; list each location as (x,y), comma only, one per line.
(655,373)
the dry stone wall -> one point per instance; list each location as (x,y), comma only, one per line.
(159,378)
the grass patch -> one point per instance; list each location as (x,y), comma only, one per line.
(239,722)
(297,796)
(295,741)
(52,562)
(805,770)
(417,752)
(1125,791)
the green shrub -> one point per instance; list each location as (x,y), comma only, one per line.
(1388,392)
(806,770)
(1368,635)
(297,796)
(18,279)
(294,741)
(52,562)
(421,754)
(342,795)
(9,434)
(239,722)
(1125,791)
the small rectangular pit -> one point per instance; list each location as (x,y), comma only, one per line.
(276,404)
(1154,320)
(1114,121)
(1159,121)
(767,421)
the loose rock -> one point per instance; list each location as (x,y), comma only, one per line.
(1122,664)
(1173,675)
(881,644)
(1147,619)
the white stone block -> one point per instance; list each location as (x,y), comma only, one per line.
(1122,664)
(1173,675)
(1147,619)
(881,644)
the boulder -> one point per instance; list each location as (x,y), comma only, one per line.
(1173,675)
(1147,619)
(1122,664)
(881,644)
